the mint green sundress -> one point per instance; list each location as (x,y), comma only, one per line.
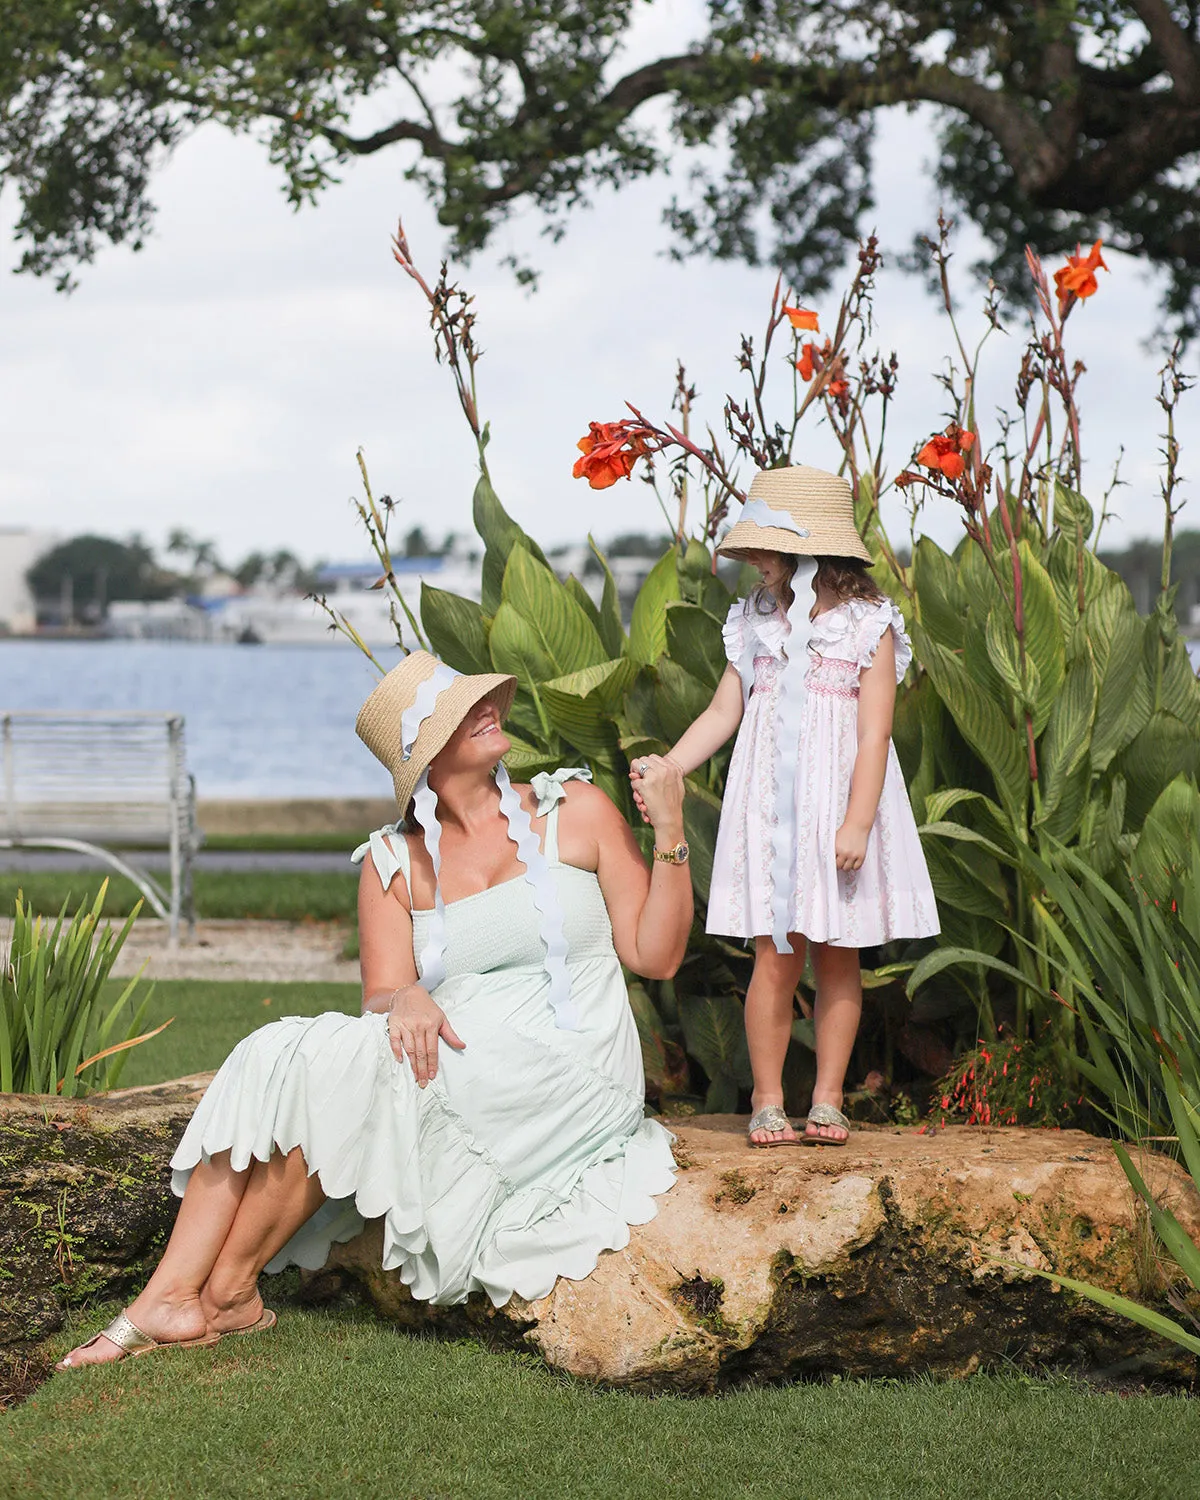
(525,1158)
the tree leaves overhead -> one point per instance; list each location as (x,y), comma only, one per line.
(1057,122)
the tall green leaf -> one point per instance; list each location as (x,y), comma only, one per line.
(582,705)
(500,534)
(566,637)
(715,1032)
(648,626)
(694,640)
(941,598)
(456,630)
(612,629)
(981,722)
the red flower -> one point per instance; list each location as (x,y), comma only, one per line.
(944,453)
(1078,277)
(805,363)
(802,317)
(610,450)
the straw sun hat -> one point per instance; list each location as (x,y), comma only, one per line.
(819,512)
(379,719)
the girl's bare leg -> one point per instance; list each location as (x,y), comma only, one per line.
(168,1306)
(769,1023)
(836,1016)
(279,1197)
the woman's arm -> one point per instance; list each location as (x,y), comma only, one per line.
(650,910)
(876,706)
(389,975)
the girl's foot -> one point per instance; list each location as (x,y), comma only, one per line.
(175,1321)
(764,1136)
(832,1134)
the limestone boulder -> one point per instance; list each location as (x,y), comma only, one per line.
(901,1253)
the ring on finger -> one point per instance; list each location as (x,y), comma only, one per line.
(643,767)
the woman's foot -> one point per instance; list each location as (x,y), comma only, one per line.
(230,1308)
(832,1134)
(176,1320)
(763,1136)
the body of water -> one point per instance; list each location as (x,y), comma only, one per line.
(261,721)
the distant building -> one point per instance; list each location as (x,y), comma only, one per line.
(19,550)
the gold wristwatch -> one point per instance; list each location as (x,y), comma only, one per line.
(676,856)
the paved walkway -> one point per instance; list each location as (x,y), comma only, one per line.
(271,952)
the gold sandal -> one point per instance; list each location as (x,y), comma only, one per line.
(769,1117)
(132,1342)
(826,1115)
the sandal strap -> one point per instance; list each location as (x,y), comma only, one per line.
(769,1117)
(127,1335)
(828,1114)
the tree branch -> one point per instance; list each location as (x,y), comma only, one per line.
(1175,48)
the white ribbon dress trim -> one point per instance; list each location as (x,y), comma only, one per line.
(545,898)
(789,725)
(759,513)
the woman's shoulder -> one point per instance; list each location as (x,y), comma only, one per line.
(386,850)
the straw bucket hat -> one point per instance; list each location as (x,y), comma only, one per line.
(379,719)
(817,504)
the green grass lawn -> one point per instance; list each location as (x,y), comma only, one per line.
(212,1016)
(335,1404)
(287,895)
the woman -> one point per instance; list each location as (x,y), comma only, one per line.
(487,1104)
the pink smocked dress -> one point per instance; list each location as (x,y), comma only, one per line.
(891,895)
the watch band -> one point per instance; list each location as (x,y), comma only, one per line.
(675,856)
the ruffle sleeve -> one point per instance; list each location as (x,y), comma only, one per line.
(733,633)
(876,618)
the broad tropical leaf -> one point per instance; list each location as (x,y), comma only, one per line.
(648,626)
(715,1032)
(612,631)
(500,534)
(582,705)
(566,637)
(694,641)
(456,630)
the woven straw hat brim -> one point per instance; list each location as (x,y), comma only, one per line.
(379,719)
(822,503)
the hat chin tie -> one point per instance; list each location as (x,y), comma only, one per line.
(788,728)
(432,959)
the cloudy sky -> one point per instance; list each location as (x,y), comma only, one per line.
(223,379)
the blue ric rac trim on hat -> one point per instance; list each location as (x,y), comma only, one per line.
(422,706)
(759,513)
(788,728)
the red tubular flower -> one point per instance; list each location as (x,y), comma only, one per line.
(802,318)
(1078,277)
(805,363)
(610,450)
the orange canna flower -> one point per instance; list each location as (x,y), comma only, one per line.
(944,453)
(610,450)
(1078,277)
(802,317)
(805,363)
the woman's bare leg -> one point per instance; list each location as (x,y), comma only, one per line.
(278,1199)
(836,1016)
(168,1306)
(769,1023)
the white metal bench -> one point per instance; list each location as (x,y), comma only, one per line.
(84,781)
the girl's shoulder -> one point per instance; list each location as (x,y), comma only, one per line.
(747,624)
(852,630)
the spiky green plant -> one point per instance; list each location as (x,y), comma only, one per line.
(57,1033)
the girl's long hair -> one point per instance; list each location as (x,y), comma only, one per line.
(843,577)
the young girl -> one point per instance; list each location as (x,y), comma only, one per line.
(817,840)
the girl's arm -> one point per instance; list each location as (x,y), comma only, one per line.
(876,705)
(714,726)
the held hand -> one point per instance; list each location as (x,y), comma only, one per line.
(658,791)
(850,846)
(415,1022)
